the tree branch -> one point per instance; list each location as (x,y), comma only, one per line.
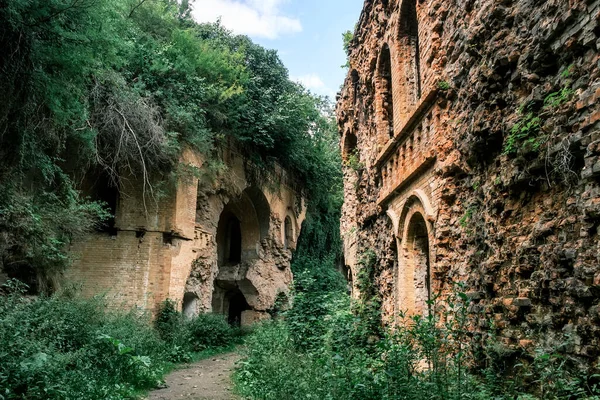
(135,8)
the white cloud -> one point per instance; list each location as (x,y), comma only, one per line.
(310,81)
(255,18)
(315,84)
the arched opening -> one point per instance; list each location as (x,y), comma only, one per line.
(229,299)
(350,143)
(236,305)
(409,90)
(414,275)
(190,305)
(243,224)
(288,232)
(355,80)
(384,89)
(229,238)
(347,272)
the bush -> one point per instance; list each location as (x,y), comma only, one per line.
(211,330)
(61,347)
(184,337)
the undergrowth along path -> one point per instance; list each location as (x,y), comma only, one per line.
(209,379)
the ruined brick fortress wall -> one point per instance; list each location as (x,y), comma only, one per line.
(471,142)
(220,244)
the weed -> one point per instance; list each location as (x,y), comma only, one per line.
(443,85)
(464,221)
(526,131)
(353,161)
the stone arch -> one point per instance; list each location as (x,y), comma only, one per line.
(243,224)
(384,94)
(229,238)
(349,145)
(262,209)
(409,66)
(413,278)
(417,198)
(395,220)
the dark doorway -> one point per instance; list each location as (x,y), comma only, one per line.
(385,90)
(234,241)
(229,239)
(237,305)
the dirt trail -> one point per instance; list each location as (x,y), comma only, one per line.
(208,379)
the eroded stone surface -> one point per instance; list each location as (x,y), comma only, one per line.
(426,114)
(220,244)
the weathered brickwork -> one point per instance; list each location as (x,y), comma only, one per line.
(471,143)
(179,246)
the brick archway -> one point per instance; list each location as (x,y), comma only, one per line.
(413,277)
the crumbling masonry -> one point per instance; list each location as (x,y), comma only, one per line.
(218,244)
(471,143)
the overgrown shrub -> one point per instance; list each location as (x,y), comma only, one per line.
(186,336)
(211,330)
(61,347)
(422,358)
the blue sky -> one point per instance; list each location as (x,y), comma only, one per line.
(306,33)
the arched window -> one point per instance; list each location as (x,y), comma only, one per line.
(355,81)
(229,239)
(243,224)
(384,90)
(234,241)
(414,274)
(409,88)
(289,232)
(349,146)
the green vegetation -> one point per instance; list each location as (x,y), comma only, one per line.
(353,161)
(347,40)
(60,347)
(464,220)
(526,132)
(443,85)
(328,351)
(102,89)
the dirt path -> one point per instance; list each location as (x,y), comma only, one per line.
(208,379)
